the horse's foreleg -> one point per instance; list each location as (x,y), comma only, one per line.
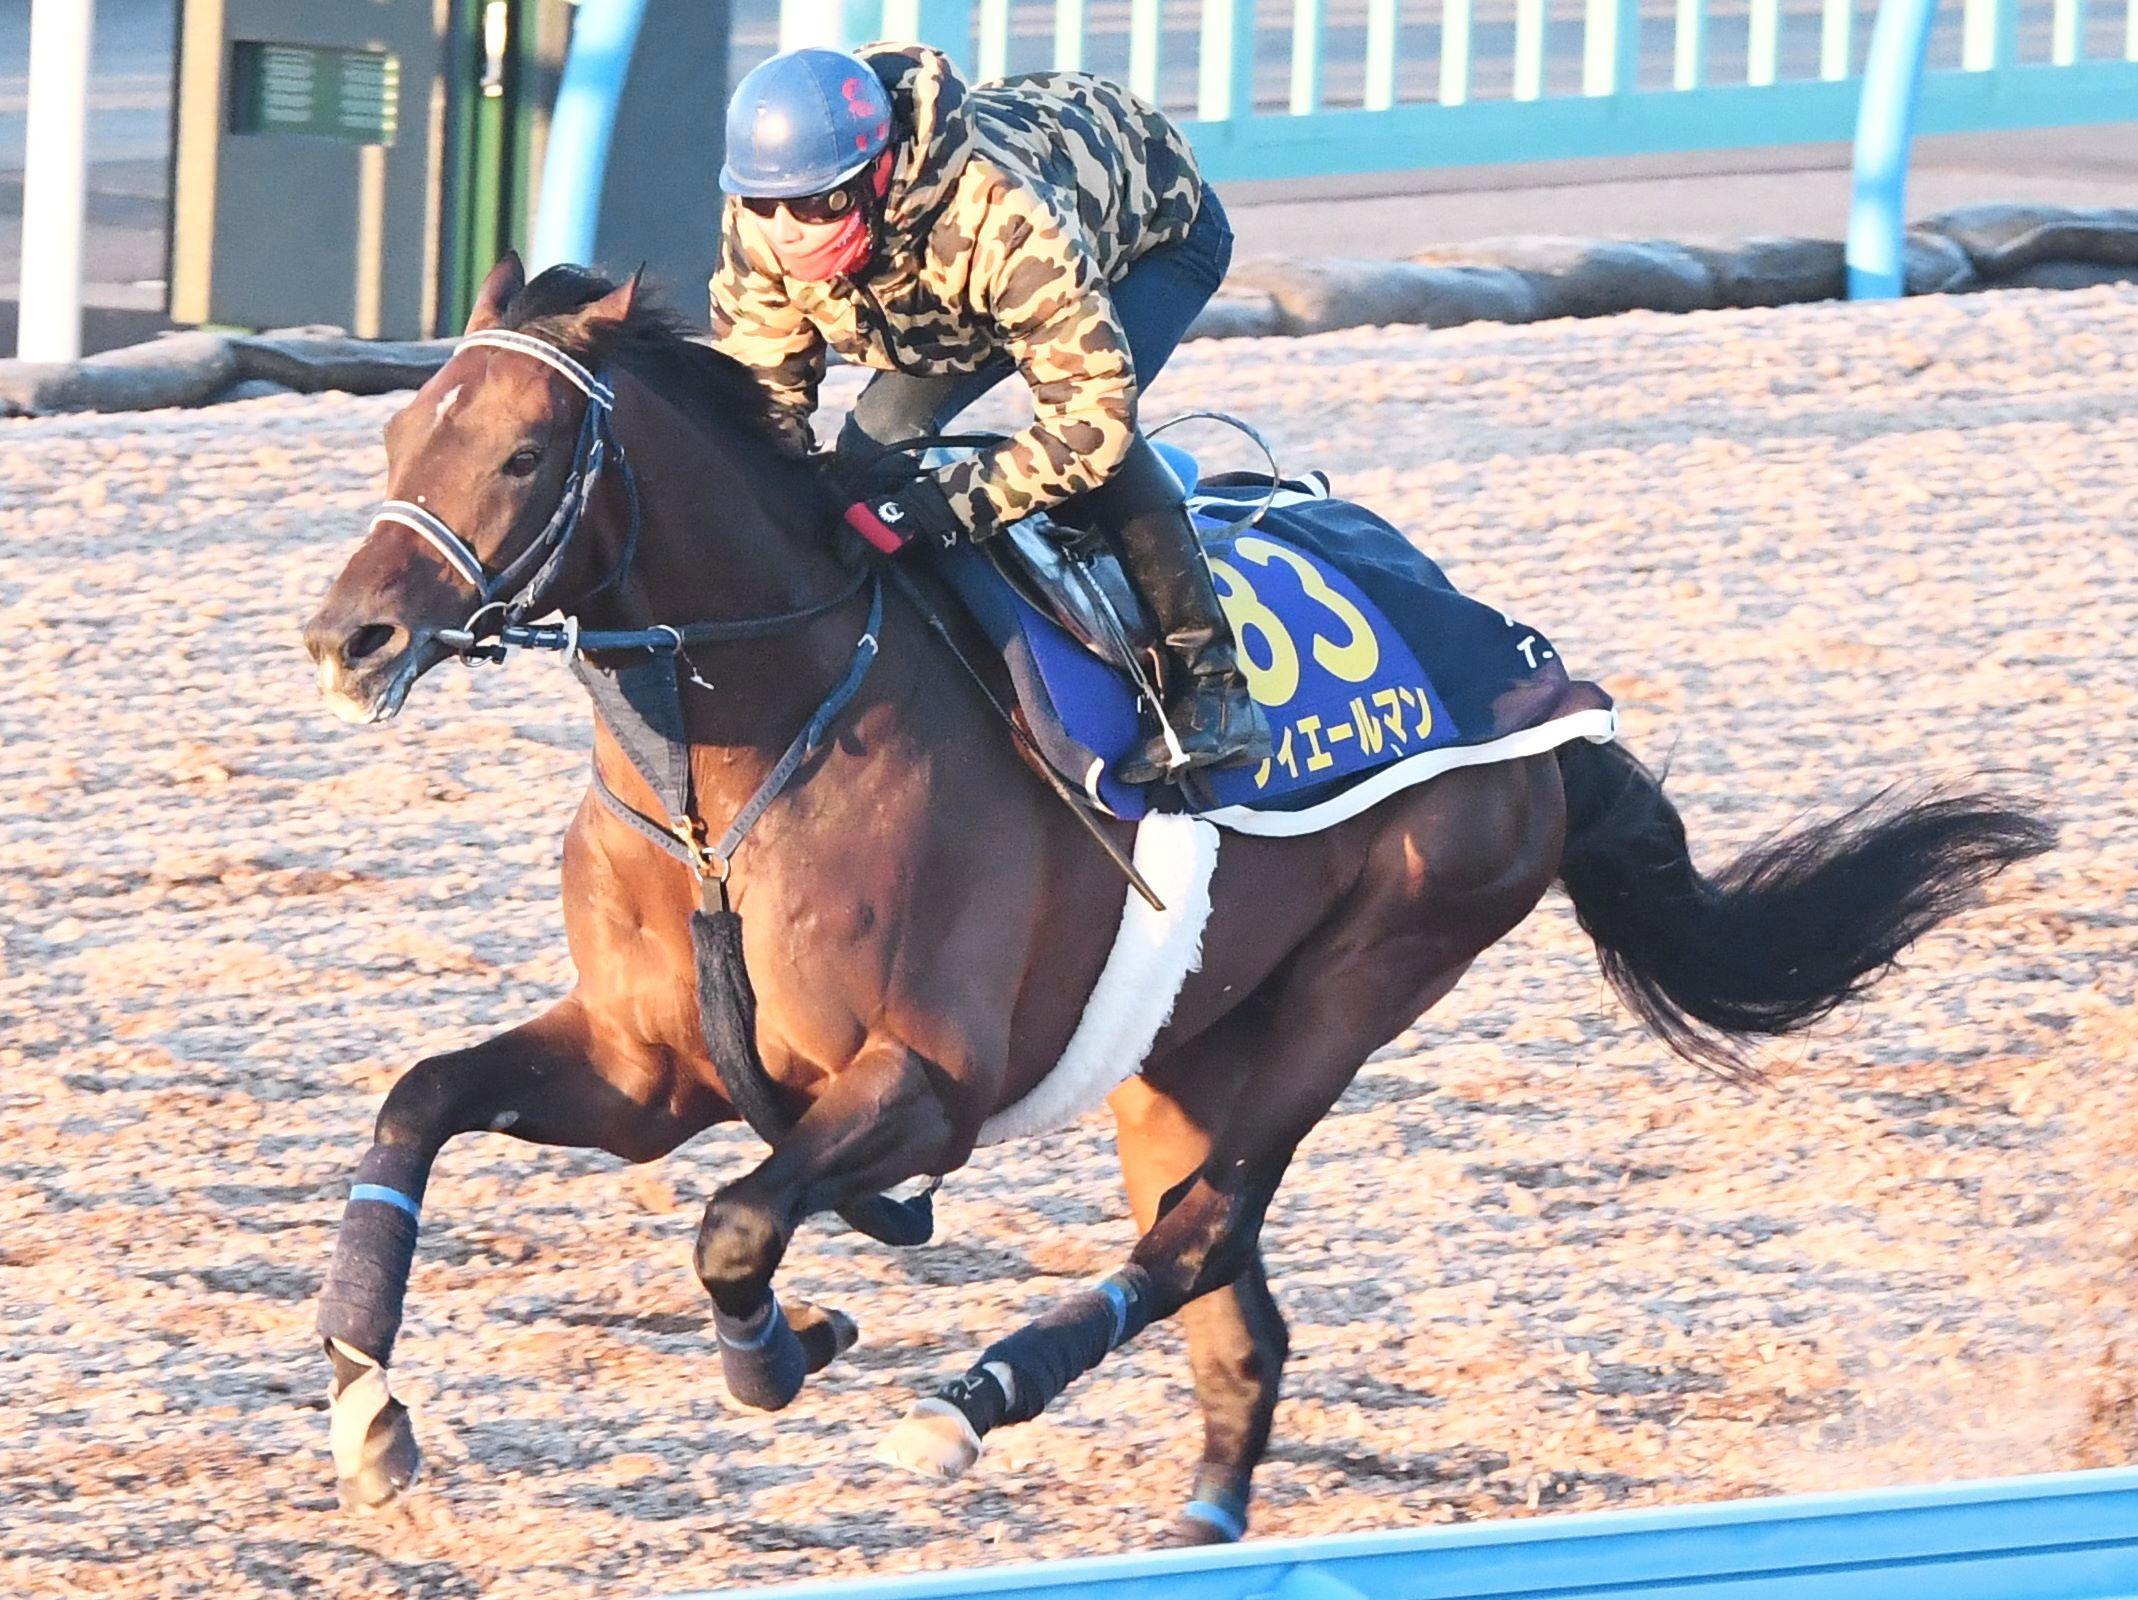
(880,1122)
(538,1082)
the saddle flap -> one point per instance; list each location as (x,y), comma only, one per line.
(1073,578)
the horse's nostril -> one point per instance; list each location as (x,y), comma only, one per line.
(368,640)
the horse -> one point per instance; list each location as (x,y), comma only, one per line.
(927,918)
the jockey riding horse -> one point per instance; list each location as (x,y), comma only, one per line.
(1052,225)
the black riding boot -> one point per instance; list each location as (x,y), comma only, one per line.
(1213,719)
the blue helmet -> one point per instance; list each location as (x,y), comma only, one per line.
(803,123)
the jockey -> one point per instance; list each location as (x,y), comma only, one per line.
(1049,225)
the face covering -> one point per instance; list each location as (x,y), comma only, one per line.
(840,251)
(846,248)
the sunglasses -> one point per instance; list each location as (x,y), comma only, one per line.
(806,208)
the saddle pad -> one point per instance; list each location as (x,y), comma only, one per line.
(1374,672)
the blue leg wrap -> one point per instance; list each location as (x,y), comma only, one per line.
(760,1357)
(360,1304)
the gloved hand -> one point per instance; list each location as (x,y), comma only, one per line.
(918,510)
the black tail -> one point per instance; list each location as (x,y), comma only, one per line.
(1786,932)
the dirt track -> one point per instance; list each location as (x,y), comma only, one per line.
(1531,1261)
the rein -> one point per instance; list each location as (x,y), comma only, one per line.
(571,639)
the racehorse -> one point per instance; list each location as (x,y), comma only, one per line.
(927,919)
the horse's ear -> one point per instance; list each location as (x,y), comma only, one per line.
(615,306)
(506,279)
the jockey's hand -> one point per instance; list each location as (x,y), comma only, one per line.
(918,510)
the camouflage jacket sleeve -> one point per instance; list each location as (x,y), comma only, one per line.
(1049,303)
(754,322)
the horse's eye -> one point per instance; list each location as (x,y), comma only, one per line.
(523,462)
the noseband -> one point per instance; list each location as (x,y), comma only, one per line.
(510,595)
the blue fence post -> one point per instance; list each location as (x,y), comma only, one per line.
(1885,124)
(568,201)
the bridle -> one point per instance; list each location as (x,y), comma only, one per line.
(640,703)
(511,595)
(506,599)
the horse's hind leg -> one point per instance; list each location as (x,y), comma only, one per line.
(1237,1340)
(1204,1238)
(1452,868)
(544,1081)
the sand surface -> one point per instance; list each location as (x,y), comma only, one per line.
(1532,1262)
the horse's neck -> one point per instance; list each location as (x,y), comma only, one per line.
(718,542)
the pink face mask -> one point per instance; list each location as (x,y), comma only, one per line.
(818,251)
(816,254)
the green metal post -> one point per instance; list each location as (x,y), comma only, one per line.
(1528,49)
(1689,71)
(1380,54)
(1456,19)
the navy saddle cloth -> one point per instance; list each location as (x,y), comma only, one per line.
(1373,670)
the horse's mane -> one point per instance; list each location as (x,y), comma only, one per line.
(654,343)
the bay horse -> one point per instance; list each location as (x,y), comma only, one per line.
(927,919)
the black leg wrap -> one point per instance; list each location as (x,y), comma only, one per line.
(361,1302)
(1219,1501)
(1070,1338)
(760,1357)
(979,1396)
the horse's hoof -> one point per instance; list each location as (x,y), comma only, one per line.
(934,1440)
(374,1443)
(1193,1532)
(825,1334)
(388,1464)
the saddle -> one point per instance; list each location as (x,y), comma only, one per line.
(1064,568)
(1374,671)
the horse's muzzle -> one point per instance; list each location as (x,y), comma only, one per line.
(366,669)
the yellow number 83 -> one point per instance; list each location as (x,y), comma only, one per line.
(1260,631)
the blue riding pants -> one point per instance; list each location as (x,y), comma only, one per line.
(1155,300)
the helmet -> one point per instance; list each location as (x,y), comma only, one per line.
(803,123)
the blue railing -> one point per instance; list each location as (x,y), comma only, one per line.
(1885,126)
(568,206)
(2072,1536)
(1302,88)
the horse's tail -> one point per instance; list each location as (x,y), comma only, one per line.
(1787,931)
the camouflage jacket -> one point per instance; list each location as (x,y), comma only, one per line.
(1011,211)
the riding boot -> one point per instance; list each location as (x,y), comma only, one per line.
(1213,720)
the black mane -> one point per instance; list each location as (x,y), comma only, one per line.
(655,343)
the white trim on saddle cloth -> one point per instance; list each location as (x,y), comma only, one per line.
(1153,954)
(1598,726)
